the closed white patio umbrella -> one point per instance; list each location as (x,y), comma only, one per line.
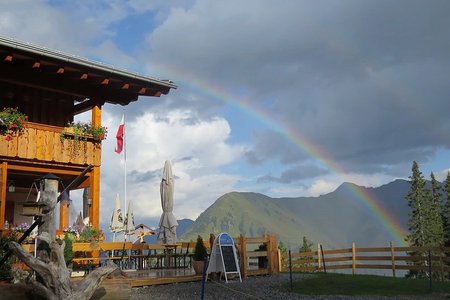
(129,221)
(167,224)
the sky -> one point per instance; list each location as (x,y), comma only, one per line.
(285,98)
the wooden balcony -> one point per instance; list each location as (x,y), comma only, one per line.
(43,143)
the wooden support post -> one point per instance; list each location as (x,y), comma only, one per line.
(3,179)
(273,261)
(279,260)
(319,261)
(243,253)
(353,258)
(392,258)
(63,214)
(94,210)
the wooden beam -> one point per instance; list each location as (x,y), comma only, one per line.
(44,170)
(70,84)
(87,105)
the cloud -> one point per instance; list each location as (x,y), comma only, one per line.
(295,174)
(197,149)
(365,82)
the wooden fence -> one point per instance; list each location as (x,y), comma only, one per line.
(377,258)
(142,256)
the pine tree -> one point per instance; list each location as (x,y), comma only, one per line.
(446,212)
(305,261)
(434,222)
(306,245)
(446,217)
(435,228)
(417,198)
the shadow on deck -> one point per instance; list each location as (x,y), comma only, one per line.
(119,287)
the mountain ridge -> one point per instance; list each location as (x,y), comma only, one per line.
(335,219)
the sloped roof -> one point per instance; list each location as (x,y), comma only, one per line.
(70,76)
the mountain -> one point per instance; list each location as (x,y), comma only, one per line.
(349,214)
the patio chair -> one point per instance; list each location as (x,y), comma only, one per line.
(186,256)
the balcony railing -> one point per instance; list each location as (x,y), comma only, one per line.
(43,142)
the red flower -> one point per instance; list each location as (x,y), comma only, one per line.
(8,138)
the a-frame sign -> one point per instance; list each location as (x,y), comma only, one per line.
(223,257)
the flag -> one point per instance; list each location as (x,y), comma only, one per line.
(120,134)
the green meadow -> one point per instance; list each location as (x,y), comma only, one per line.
(342,284)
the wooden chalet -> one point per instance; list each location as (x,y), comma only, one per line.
(51,87)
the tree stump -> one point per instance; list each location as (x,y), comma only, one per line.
(53,277)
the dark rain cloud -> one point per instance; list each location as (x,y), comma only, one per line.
(364,81)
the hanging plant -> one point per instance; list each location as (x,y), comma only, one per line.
(82,131)
(12,122)
(79,131)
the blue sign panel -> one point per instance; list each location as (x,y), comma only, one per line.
(226,239)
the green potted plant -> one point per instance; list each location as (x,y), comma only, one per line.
(82,131)
(200,254)
(6,274)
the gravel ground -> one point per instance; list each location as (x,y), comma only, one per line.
(260,287)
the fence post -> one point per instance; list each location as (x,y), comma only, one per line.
(319,262)
(323,259)
(273,251)
(279,260)
(353,258)
(243,252)
(290,268)
(393,258)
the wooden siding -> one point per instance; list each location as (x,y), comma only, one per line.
(42,142)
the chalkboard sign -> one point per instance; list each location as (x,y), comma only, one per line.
(223,257)
(228,258)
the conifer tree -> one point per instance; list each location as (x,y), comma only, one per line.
(305,261)
(446,216)
(446,211)
(434,222)
(417,198)
(435,228)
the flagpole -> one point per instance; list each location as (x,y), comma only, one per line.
(125,170)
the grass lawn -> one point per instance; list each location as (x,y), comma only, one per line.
(341,284)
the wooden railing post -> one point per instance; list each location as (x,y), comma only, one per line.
(243,253)
(279,260)
(353,258)
(319,262)
(271,254)
(392,258)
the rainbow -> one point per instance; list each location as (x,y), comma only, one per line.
(372,204)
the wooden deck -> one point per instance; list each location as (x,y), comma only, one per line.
(161,276)
(120,287)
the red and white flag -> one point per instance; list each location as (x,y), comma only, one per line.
(120,135)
